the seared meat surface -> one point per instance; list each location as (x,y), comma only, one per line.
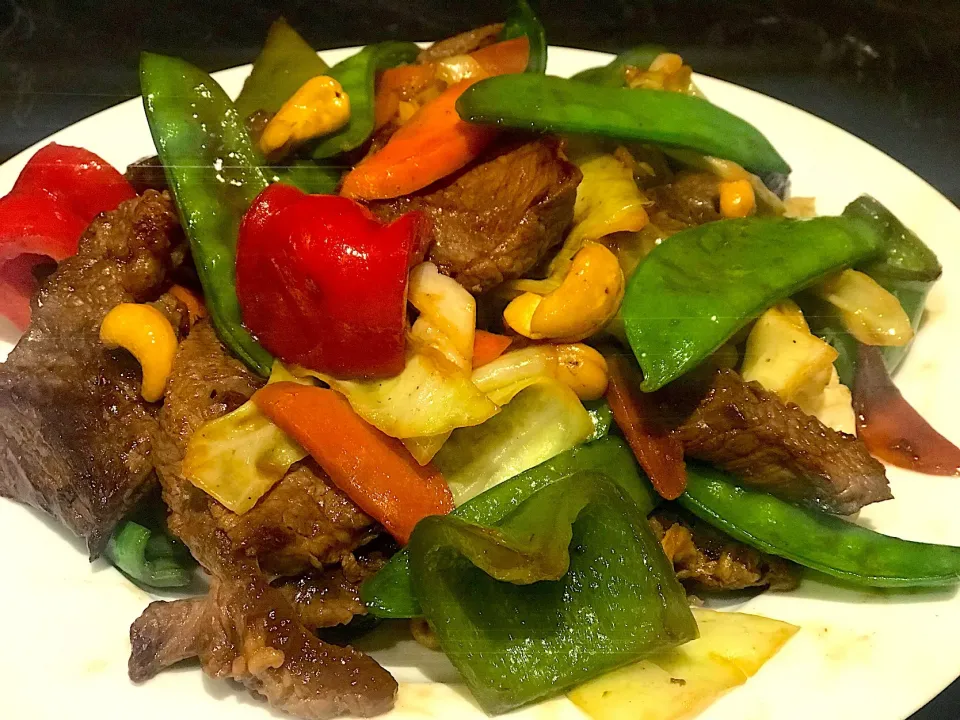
(302,523)
(246,629)
(690,198)
(705,559)
(778,448)
(462,44)
(146,174)
(76,438)
(496,220)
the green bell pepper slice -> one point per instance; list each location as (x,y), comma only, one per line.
(570,585)
(691,294)
(813,539)
(390,594)
(523,21)
(309,176)
(602,417)
(541,103)
(612,74)
(284,64)
(215,173)
(143,549)
(357,75)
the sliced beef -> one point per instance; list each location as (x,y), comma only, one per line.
(146,174)
(497,219)
(328,598)
(302,523)
(705,559)
(461,44)
(75,435)
(247,630)
(778,448)
(690,198)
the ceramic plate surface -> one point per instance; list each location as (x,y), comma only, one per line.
(877,654)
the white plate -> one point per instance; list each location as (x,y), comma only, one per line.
(878,655)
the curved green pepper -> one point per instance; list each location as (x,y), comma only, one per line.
(390,594)
(556,105)
(813,539)
(572,584)
(612,74)
(309,176)
(285,63)
(691,294)
(523,21)
(215,173)
(357,75)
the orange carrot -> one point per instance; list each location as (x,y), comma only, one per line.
(659,453)
(488,346)
(435,141)
(373,469)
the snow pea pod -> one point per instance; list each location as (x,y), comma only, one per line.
(691,294)
(357,75)
(285,63)
(813,539)
(390,594)
(215,173)
(522,21)
(558,105)
(612,74)
(571,584)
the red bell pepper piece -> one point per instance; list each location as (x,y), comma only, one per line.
(81,180)
(889,426)
(659,453)
(322,283)
(371,468)
(58,193)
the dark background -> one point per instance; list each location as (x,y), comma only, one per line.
(886,70)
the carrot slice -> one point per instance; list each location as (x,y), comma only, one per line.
(373,469)
(659,453)
(504,58)
(488,346)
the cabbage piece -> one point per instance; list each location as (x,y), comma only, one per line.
(786,358)
(447,306)
(237,458)
(684,681)
(430,396)
(870,313)
(542,420)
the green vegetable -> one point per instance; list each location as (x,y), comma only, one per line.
(813,539)
(602,417)
(557,105)
(523,21)
(285,63)
(541,421)
(612,74)
(143,550)
(215,174)
(907,268)
(695,291)
(390,594)
(570,585)
(357,74)
(309,176)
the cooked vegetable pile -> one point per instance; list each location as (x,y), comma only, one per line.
(433,336)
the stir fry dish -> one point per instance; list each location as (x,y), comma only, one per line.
(532,366)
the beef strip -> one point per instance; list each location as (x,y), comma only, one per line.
(462,44)
(246,629)
(325,599)
(146,174)
(778,448)
(705,559)
(688,199)
(75,435)
(498,218)
(302,522)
